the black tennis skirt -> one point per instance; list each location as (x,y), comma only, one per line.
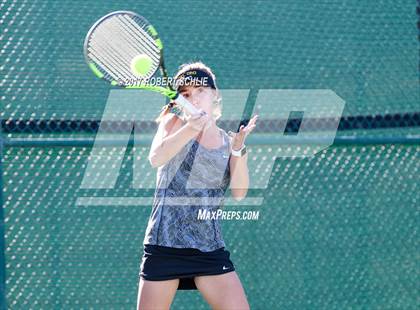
(167,263)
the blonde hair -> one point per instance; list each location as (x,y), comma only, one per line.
(217,107)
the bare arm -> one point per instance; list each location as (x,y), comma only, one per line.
(239,176)
(171,137)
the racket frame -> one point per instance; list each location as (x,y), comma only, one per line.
(166,91)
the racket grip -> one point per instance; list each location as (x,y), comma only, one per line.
(182,101)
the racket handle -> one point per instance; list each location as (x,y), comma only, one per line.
(182,101)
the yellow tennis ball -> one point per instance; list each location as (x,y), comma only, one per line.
(141,64)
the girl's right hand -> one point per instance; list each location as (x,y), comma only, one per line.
(198,121)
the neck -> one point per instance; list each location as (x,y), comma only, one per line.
(212,130)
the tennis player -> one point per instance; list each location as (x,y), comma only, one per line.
(196,161)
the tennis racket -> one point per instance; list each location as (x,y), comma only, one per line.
(124,49)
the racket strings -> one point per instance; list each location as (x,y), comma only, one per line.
(143,36)
(109,70)
(110,46)
(113,57)
(116,42)
(131,40)
(134,45)
(109,63)
(121,46)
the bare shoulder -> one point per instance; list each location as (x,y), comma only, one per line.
(224,133)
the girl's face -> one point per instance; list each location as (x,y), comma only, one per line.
(201,97)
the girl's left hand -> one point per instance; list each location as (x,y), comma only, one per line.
(239,137)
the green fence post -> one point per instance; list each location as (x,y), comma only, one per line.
(2,240)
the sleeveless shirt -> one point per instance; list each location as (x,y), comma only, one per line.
(196,178)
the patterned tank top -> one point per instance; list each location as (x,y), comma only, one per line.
(194,180)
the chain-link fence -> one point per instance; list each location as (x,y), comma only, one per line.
(338,230)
